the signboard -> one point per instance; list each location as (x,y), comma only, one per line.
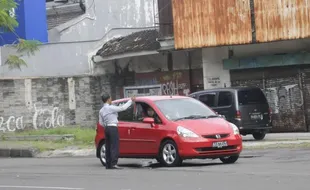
(149,90)
(214,81)
(32,23)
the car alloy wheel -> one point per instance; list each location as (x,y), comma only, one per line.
(102,154)
(169,155)
(229,159)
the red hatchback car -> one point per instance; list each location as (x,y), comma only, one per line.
(172,129)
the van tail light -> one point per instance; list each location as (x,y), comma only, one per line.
(270,112)
(238,115)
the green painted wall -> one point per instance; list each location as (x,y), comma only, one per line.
(266,61)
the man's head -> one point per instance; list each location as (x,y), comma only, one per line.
(106,98)
(150,112)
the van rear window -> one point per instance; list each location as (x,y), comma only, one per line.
(252,96)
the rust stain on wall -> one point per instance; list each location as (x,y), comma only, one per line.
(282,19)
(203,23)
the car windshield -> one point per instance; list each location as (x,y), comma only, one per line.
(184,108)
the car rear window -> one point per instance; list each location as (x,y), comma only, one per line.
(251,96)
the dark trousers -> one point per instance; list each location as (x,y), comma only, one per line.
(112,145)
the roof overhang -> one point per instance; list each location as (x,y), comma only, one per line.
(166,44)
(98,58)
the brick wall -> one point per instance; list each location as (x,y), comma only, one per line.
(51,102)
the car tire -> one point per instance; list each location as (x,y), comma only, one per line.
(229,159)
(169,154)
(158,160)
(259,136)
(102,154)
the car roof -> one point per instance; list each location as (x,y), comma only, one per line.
(152,98)
(230,89)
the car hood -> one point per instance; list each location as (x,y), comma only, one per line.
(206,126)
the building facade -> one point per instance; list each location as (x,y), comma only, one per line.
(61,85)
(248,43)
(161,47)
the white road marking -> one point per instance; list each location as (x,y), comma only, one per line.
(39,187)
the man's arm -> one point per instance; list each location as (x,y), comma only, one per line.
(122,107)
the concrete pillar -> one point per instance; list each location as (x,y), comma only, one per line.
(214,76)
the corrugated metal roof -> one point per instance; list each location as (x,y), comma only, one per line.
(282,19)
(204,23)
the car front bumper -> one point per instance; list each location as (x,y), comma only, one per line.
(190,148)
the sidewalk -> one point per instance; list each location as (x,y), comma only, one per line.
(8,149)
(272,140)
(282,136)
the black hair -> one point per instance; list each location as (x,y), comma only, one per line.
(105,97)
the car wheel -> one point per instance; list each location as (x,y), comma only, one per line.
(102,155)
(169,154)
(259,135)
(229,159)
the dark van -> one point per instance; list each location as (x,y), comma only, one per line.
(246,107)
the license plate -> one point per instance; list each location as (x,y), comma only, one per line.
(256,116)
(219,144)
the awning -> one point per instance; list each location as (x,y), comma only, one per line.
(136,44)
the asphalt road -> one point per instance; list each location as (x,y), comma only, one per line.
(270,169)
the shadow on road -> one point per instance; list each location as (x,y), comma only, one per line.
(157,165)
(253,140)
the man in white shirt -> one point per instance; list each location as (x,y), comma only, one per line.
(108,118)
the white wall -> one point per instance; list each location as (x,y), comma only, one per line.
(74,43)
(104,15)
(214,76)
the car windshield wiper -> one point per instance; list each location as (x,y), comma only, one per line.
(213,116)
(191,117)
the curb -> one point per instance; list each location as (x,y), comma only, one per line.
(67,153)
(38,137)
(273,143)
(28,152)
(18,152)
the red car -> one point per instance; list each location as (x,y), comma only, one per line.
(179,128)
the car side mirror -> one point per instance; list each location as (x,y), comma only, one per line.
(149,120)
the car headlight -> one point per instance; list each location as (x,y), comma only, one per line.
(183,132)
(235,128)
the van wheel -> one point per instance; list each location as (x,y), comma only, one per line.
(102,153)
(229,159)
(259,135)
(169,154)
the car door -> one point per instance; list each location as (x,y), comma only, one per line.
(225,105)
(125,123)
(144,136)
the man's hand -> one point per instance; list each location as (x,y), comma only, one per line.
(133,98)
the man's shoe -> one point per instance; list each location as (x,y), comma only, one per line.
(116,167)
